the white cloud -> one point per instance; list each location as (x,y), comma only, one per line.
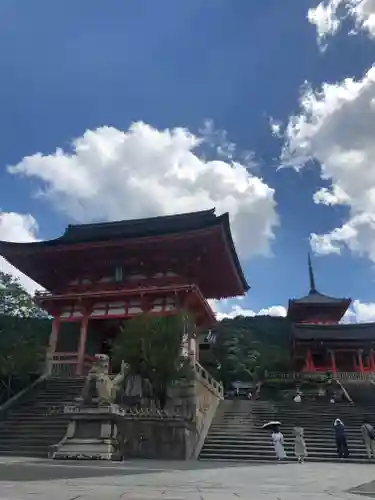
(329,15)
(360,312)
(230,309)
(22,229)
(336,128)
(112,174)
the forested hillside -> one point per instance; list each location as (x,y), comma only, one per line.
(245,347)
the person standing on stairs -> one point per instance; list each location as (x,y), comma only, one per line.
(278,444)
(340,435)
(368,436)
(300,450)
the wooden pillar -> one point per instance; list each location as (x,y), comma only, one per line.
(355,363)
(309,364)
(360,361)
(372,361)
(333,361)
(53,339)
(82,344)
(54,335)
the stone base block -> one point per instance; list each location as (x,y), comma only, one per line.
(86,449)
(91,435)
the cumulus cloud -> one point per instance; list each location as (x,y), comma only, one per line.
(360,312)
(230,309)
(21,229)
(329,15)
(112,174)
(335,127)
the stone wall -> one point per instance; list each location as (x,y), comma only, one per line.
(115,433)
(193,403)
(156,438)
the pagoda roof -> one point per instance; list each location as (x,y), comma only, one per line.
(169,225)
(360,331)
(315,300)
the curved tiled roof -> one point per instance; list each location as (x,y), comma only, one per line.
(360,331)
(137,228)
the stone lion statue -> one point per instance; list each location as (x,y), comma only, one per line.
(126,389)
(99,387)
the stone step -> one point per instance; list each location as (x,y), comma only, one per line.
(31,440)
(288,439)
(267,447)
(36,452)
(31,430)
(270,452)
(242,430)
(260,459)
(236,432)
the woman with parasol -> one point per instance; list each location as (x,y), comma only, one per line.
(277,438)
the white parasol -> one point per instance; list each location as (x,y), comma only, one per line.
(271,424)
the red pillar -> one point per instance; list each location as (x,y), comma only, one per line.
(309,364)
(54,335)
(333,361)
(360,361)
(82,344)
(372,361)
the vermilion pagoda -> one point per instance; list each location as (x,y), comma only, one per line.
(98,275)
(320,343)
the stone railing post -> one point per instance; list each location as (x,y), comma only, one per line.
(48,364)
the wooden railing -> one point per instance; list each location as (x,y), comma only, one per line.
(124,286)
(65,364)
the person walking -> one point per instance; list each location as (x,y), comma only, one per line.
(340,435)
(368,436)
(278,444)
(300,450)
(297,398)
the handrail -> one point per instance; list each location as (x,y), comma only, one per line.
(217,386)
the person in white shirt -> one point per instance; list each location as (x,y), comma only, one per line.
(278,444)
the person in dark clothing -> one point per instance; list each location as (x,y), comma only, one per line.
(341,443)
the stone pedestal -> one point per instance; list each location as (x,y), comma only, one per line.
(91,434)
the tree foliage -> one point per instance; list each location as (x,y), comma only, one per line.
(151,346)
(15,301)
(247,346)
(24,333)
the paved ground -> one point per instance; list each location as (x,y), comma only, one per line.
(140,480)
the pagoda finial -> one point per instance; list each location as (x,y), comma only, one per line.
(311,275)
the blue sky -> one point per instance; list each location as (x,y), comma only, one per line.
(68,67)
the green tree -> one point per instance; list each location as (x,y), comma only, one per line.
(24,332)
(247,346)
(15,301)
(151,346)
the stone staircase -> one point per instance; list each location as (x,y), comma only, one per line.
(37,422)
(236,433)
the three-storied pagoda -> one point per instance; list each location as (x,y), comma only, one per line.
(320,343)
(97,276)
